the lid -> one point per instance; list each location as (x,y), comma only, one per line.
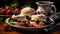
(44,3)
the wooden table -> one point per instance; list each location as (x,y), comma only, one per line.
(14,32)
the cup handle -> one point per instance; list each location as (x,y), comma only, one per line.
(54,8)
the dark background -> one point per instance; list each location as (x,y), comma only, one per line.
(31,2)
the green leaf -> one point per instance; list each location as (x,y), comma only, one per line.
(1,18)
(14,5)
(25,6)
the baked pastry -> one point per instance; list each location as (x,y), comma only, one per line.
(34,23)
(28,11)
(19,17)
(40,17)
(36,19)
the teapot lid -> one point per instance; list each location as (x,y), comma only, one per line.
(44,3)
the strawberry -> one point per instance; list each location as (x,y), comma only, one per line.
(41,24)
(1,8)
(17,10)
(3,12)
(5,26)
(38,12)
(31,25)
(9,12)
(8,7)
(20,24)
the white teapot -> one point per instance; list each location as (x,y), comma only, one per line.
(45,7)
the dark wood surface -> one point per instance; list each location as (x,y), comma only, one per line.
(14,32)
(6,32)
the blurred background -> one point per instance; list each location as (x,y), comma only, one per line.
(22,3)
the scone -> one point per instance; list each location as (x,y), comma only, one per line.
(28,11)
(40,17)
(36,19)
(19,17)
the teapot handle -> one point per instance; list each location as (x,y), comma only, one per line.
(54,7)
